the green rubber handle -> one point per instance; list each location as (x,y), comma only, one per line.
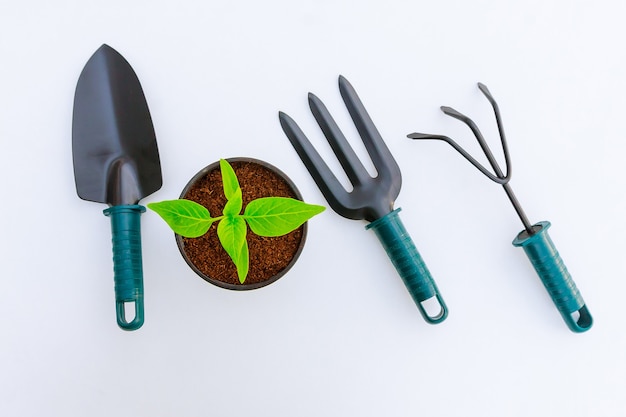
(555,277)
(409,264)
(127,265)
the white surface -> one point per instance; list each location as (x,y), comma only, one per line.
(339,335)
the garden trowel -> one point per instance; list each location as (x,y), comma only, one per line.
(116,161)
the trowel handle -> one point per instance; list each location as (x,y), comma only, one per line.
(409,264)
(548,263)
(127,265)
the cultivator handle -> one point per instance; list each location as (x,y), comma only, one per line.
(409,264)
(127,265)
(550,267)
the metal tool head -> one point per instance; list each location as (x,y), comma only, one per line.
(371,197)
(116,160)
(498,175)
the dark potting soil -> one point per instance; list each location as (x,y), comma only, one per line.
(268,255)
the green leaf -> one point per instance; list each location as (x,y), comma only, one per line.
(185,217)
(244,262)
(277,216)
(229,179)
(232,191)
(231,232)
(234,204)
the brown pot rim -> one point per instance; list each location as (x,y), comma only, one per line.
(242,287)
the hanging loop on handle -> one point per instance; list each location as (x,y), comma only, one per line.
(127,263)
(555,277)
(409,264)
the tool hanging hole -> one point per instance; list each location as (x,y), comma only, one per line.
(433,307)
(129,311)
(582,318)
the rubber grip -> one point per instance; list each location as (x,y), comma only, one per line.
(127,264)
(550,267)
(409,264)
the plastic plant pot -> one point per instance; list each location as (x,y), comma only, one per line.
(270,257)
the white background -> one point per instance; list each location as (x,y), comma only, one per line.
(338,335)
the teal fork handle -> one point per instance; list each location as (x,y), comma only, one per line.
(127,265)
(555,277)
(409,264)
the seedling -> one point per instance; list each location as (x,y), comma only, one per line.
(267,216)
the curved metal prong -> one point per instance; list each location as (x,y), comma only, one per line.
(483,144)
(496,109)
(462,151)
(482,87)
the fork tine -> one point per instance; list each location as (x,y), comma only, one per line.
(350,162)
(379,153)
(328,184)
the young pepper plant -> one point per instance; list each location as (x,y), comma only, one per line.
(268,216)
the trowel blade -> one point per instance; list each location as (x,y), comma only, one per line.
(116,159)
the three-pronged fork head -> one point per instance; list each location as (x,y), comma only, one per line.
(371,198)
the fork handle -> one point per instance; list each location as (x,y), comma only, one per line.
(555,277)
(409,264)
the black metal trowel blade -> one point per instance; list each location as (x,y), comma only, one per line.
(116,160)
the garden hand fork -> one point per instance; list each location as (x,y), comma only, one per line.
(371,198)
